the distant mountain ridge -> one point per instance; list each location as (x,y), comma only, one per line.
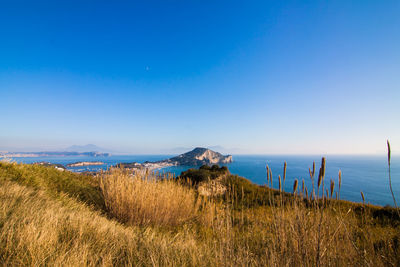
(53,154)
(85,148)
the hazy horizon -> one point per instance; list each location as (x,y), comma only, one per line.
(180,150)
(282,77)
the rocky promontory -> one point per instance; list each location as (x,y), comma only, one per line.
(85,163)
(197,157)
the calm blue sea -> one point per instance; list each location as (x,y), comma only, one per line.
(359,173)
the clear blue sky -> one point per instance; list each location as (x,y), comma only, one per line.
(271,77)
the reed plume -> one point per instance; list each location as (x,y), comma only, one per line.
(321,175)
(280,183)
(284,172)
(362,196)
(332,187)
(319,182)
(295,184)
(312,174)
(313,168)
(319,178)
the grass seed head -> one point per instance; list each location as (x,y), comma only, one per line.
(280,183)
(332,187)
(313,168)
(295,184)
(284,171)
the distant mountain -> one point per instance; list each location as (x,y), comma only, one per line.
(53,154)
(199,156)
(86,148)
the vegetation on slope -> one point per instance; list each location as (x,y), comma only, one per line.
(204,173)
(140,199)
(55,182)
(50,217)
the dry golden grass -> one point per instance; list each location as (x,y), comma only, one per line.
(144,199)
(37,230)
(40,228)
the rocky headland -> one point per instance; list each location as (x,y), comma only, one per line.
(85,163)
(197,157)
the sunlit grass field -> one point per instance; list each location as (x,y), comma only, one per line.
(52,217)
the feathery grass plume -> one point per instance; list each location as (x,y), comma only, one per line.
(312,173)
(319,178)
(284,172)
(332,187)
(306,192)
(295,184)
(280,183)
(390,179)
(302,187)
(321,175)
(267,174)
(313,168)
(362,196)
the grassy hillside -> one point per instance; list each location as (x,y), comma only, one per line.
(50,217)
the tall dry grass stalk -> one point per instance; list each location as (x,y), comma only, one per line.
(390,178)
(332,187)
(362,197)
(144,199)
(295,184)
(321,176)
(284,174)
(280,183)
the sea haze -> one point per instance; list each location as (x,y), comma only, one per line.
(359,173)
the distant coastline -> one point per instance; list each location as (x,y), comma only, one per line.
(85,163)
(51,154)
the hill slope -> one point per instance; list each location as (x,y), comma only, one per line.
(50,217)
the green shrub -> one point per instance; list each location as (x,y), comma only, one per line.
(204,173)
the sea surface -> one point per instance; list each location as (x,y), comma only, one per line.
(368,174)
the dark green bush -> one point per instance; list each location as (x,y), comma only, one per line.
(204,173)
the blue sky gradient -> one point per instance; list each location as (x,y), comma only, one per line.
(269,77)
